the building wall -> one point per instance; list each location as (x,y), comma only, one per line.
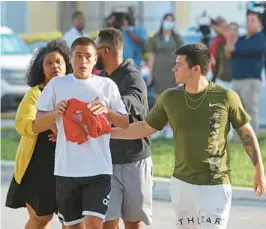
(18,22)
(66,9)
(182,14)
(94,13)
(148,13)
(43,16)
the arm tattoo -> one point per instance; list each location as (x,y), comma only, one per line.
(251,146)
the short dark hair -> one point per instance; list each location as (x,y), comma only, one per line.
(34,75)
(112,36)
(82,41)
(76,14)
(257,14)
(196,54)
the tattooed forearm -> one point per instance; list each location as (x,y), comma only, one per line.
(251,145)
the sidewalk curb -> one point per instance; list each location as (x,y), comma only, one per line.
(161,188)
(7,164)
(8,115)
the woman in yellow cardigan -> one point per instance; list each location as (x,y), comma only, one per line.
(33,185)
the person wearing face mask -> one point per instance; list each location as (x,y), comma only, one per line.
(77,29)
(132,164)
(161,55)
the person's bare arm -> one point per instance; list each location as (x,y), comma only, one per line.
(251,145)
(134,131)
(117,119)
(37,128)
(45,119)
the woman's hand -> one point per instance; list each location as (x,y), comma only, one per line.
(52,137)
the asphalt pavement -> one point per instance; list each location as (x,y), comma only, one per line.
(244,214)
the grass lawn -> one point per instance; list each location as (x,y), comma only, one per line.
(242,168)
(9,143)
(163,157)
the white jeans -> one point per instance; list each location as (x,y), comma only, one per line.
(200,206)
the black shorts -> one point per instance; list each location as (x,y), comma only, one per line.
(82,196)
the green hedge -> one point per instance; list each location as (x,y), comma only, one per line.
(38,37)
(30,38)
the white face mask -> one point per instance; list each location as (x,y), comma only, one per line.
(168,25)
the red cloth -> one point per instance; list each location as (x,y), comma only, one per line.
(96,72)
(214,46)
(77,130)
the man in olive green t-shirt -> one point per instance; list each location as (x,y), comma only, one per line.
(200,114)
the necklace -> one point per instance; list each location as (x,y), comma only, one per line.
(194,100)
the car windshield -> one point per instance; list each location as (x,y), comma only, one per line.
(11,44)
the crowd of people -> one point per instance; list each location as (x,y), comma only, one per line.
(85,124)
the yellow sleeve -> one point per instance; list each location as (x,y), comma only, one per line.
(26,113)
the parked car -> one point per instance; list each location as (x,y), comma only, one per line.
(15,58)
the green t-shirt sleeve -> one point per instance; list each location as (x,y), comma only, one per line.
(237,115)
(157,118)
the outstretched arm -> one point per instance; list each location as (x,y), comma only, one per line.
(252,148)
(156,120)
(134,131)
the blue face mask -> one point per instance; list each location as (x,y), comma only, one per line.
(168,25)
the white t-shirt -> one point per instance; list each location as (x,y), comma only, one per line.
(92,157)
(72,34)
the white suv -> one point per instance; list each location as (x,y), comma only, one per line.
(15,57)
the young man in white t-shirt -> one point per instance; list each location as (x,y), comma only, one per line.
(83,171)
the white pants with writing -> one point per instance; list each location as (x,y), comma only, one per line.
(201,206)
